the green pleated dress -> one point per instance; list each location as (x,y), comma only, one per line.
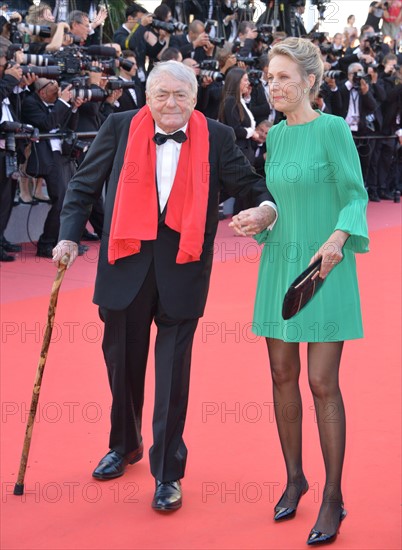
(313,171)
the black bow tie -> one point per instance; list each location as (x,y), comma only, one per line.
(160,139)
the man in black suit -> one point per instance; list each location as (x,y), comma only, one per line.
(51,109)
(156,269)
(131,98)
(358,108)
(10,77)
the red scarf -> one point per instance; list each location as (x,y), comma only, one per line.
(135,212)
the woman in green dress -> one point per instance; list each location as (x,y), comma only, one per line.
(313,172)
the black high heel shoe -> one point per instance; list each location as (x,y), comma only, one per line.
(281,513)
(317,537)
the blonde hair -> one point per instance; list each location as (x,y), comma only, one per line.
(306,55)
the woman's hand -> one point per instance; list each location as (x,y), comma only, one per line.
(248,223)
(330,252)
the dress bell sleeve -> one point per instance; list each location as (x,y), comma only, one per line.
(353,196)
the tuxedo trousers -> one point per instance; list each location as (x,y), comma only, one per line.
(125,347)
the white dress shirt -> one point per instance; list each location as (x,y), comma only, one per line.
(167,159)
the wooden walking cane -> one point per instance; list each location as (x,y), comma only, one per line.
(19,486)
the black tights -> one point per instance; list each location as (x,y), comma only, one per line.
(323,370)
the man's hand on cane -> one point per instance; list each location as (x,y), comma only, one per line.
(62,248)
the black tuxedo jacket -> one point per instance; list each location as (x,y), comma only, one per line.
(126,101)
(182,288)
(36,113)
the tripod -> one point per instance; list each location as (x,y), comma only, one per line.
(274,15)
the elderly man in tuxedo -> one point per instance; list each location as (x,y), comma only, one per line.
(161,217)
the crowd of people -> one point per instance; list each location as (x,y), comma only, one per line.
(58,76)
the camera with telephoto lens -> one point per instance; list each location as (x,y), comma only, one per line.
(178,25)
(42,60)
(328,49)
(250,61)
(217,41)
(53,71)
(74,147)
(216,76)
(163,25)
(254,76)
(117,84)
(358,77)
(81,90)
(208,68)
(333,74)
(43,31)
(209,64)
(125,64)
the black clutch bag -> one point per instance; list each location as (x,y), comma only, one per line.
(302,290)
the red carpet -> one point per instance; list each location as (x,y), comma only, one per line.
(235,471)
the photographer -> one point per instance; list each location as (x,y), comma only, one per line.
(358,108)
(374,15)
(51,109)
(131,98)
(131,36)
(247,37)
(329,99)
(58,37)
(260,104)
(9,78)
(392,111)
(195,44)
(81,27)
(212,95)
(157,33)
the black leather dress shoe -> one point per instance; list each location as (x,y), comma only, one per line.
(373,196)
(4,257)
(386,195)
(88,236)
(317,537)
(10,247)
(168,496)
(114,464)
